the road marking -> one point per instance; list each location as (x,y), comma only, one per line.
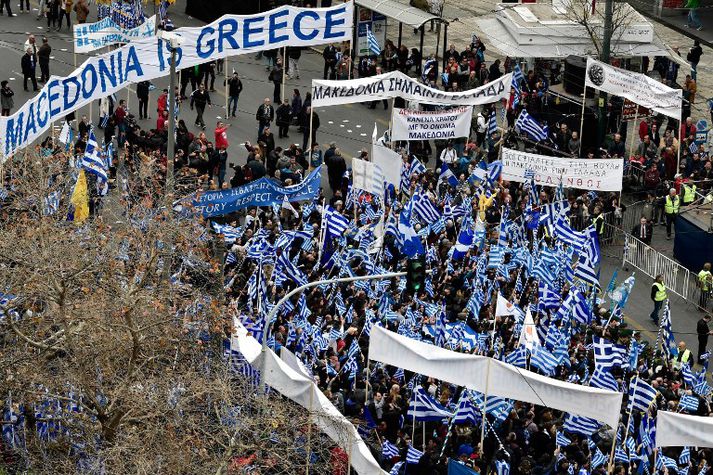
(349,130)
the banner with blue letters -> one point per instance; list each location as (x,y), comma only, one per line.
(149,58)
(262,192)
(92,36)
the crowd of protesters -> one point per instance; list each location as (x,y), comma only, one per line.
(323,325)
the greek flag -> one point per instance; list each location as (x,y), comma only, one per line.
(407,235)
(336,224)
(562,440)
(389,450)
(502,467)
(374,47)
(413,455)
(465,240)
(543,360)
(95,164)
(641,395)
(586,272)
(492,125)
(663,461)
(580,425)
(447,176)
(547,299)
(230,233)
(603,379)
(467,412)
(526,124)
(51,203)
(685,457)
(598,458)
(423,407)
(688,403)
(517,357)
(693,148)
(607,355)
(424,208)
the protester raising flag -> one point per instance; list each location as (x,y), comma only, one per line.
(424,408)
(492,124)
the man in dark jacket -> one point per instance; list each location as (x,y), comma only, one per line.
(694,56)
(142,93)
(330,61)
(276,77)
(265,115)
(199,99)
(336,166)
(643,231)
(43,56)
(703,332)
(307,124)
(235,87)
(29,66)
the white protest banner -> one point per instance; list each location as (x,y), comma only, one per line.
(676,430)
(397,84)
(295,385)
(367,176)
(603,174)
(390,163)
(149,58)
(636,87)
(92,36)
(409,124)
(493,377)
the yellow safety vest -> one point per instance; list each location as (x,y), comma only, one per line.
(704,278)
(682,358)
(671,206)
(660,292)
(689,193)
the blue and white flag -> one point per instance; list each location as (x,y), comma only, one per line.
(447,176)
(543,360)
(413,455)
(608,355)
(526,124)
(688,403)
(94,163)
(374,47)
(492,125)
(423,407)
(424,208)
(465,240)
(467,412)
(580,425)
(335,223)
(389,450)
(411,243)
(641,395)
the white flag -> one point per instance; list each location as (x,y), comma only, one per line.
(64,133)
(528,335)
(507,309)
(288,206)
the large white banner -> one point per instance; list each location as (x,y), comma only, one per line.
(367,176)
(92,36)
(397,84)
(600,174)
(390,163)
(149,58)
(295,385)
(493,377)
(410,124)
(677,430)
(636,87)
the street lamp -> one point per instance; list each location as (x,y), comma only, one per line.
(175,41)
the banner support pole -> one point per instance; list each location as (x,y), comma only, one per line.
(308,152)
(484,414)
(284,74)
(633,130)
(225,80)
(680,141)
(581,121)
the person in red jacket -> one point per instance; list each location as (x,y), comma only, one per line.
(688,129)
(162,103)
(221,136)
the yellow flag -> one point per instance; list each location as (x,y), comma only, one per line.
(80,199)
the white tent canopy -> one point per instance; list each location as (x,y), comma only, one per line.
(411,16)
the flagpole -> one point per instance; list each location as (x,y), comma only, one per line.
(610,468)
(581,121)
(225,80)
(284,74)
(628,412)
(308,152)
(391,123)
(483,410)
(321,231)
(633,131)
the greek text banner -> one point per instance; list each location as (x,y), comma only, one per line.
(636,87)
(149,58)
(262,192)
(408,124)
(587,174)
(397,84)
(677,430)
(92,36)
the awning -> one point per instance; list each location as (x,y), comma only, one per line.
(497,36)
(411,16)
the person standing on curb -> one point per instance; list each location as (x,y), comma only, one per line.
(658,295)
(705,281)
(43,57)
(6,100)
(672,204)
(199,99)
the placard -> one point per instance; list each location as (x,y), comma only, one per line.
(599,174)
(409,124)
(92,36)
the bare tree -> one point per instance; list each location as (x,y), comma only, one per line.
(592,20)
(109,368)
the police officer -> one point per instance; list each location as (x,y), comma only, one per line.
(672,204)
(689,194)
(658,295)
(683,356)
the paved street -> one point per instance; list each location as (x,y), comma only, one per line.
(350,126)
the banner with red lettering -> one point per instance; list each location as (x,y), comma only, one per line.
(599,174)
